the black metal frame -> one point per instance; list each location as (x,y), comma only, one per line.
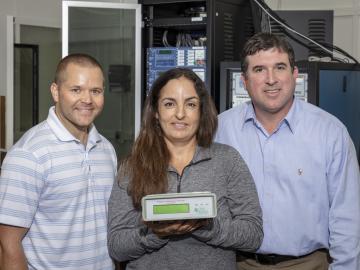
(226,70)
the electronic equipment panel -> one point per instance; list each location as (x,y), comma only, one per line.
(301,88)
(161,59)
(238,92)
(179,206)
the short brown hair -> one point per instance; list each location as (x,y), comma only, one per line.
(80,59)
(263,42)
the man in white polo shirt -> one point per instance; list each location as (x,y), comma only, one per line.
(56,180)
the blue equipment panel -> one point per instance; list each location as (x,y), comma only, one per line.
(334,88)
(160,59)
(339,94)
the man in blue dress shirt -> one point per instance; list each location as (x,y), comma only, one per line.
(303,162)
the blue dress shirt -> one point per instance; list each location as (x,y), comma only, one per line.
(307,176)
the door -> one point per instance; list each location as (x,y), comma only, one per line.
(9,104)
(111,33)
(47,37)
(26,88)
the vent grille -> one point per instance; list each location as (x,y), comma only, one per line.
(157,38)
(229,39)
(249,29)
(317,32)
(276,28)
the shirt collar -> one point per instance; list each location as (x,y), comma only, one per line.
(289,120)
(201,154)
(249,113)
(63,134)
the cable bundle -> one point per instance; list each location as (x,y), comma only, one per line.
(328,48)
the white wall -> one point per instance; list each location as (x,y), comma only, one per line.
(346,19)
(4,7)
(310,4)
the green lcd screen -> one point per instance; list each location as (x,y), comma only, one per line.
(165,51)
(171,208)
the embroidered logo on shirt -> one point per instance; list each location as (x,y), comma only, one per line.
(300,171)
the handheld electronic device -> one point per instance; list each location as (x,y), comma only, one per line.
(179,206)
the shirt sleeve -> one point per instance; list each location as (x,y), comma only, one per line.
(21,183)
(344,192)
(238,224)
(128,238)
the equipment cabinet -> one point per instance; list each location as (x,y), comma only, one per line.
(221,26)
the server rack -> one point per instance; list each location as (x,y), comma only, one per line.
(225,25)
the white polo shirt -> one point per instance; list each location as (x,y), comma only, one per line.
(59,189)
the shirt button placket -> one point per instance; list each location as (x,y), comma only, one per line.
(268,181)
